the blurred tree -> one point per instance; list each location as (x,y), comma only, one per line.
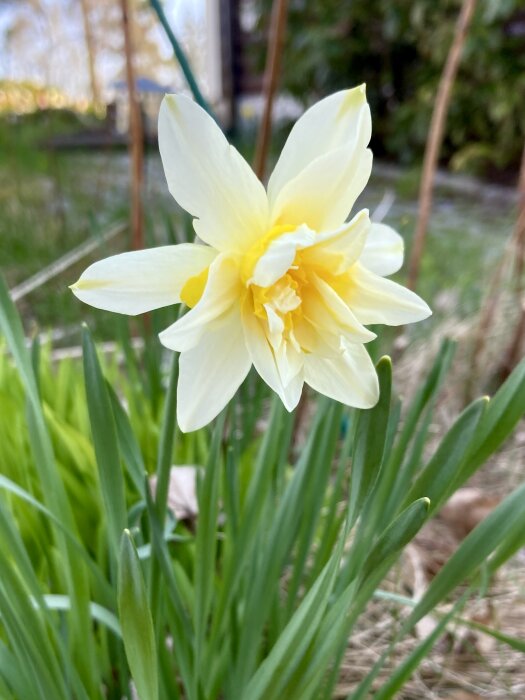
(95,93)
(398,49)
(78,46)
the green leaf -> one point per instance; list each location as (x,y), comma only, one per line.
(237,558)
(397,535)
(473,551)
(136,622)
(11,327)
(14,671)
(174,604)
(272,545)
(105,442)
(19,492)
(168,432)
(503,413)
(206,540)
(436,480)
(313,498)
(53,489)
(512,642)
(332,635)
(127,443)
(402,462)
(369,444)
(274,672)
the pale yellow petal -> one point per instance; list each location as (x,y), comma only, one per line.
(325,310)
(323,194)
(350,378)
(289,361)
(383,251)
(220,294)
(316,339)
(264,360)
(337,250)
(143,280)
(209,178)
(375,299)
(211,372)
(332,123)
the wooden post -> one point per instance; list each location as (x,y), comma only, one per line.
(136,136)
(271,77)
(435,137)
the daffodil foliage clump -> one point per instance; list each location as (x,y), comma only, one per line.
(257,593)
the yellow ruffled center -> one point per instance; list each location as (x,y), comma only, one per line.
(280,306)
(193,288)
(259,248)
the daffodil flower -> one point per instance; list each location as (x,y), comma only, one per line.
(280,278)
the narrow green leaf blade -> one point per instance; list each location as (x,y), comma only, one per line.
(473,551)
(371,431)
(127,443)
(397,535)
(105,442)
(436,480)
(136,622)
(504,411)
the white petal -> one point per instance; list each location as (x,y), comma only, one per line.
(338,250)
(323,194)
(279,256)
(374,299)
(142,280)
(334,122)
(221,292)
(211,373)
(383,251)
(265,363)
(209,178)
(350,378)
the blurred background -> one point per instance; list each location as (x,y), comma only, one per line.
(65,126)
